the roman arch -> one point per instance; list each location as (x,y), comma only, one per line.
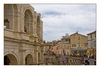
(11,58)
(23,40)
(29,59)
(28,19)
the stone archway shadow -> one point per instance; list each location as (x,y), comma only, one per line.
(10,59)
(28,60)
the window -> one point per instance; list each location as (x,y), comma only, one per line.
(63,40)
(6,23)
(25,29)
(56,48)
(73,45)
(91,36)
(85,44)
(63,50)
(69,40)
(91,44)
(28,19)
(78,38)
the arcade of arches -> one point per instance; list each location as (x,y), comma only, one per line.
(23,35)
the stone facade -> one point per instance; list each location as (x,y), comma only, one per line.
(23,35)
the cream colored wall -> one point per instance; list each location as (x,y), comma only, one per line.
(81,41)
(74,40)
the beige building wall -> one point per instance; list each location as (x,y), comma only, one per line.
(79,43)
(23,40)
(64,47)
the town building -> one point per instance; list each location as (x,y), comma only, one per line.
(91,52)
(55,49)
(64,45)
(23,35)
(61,47)
(47,48)
(79,44)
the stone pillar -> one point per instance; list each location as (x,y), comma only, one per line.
(31,31)
(35,34)
(34,29)
(16,21)
(22,57)
(42,57)
(16,25)
(31,27)
(41,30)
(22,15)
(36,54)
(42,54)
(22,54)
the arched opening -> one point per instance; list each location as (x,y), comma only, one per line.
(10,60)
(38,26)
(28,18)
(6,23)
(29,59)
(8,16)
(6,60)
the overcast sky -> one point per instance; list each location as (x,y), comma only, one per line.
(59,19)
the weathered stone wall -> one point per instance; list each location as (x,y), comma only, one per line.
(58,61)
(23,38)
(74,61)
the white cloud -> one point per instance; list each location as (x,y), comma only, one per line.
(61,19)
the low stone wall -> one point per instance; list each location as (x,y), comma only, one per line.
(57,61)
(74,61)
(52,59)
(49,59)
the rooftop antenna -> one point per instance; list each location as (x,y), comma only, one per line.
(77,32)
(67,34)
